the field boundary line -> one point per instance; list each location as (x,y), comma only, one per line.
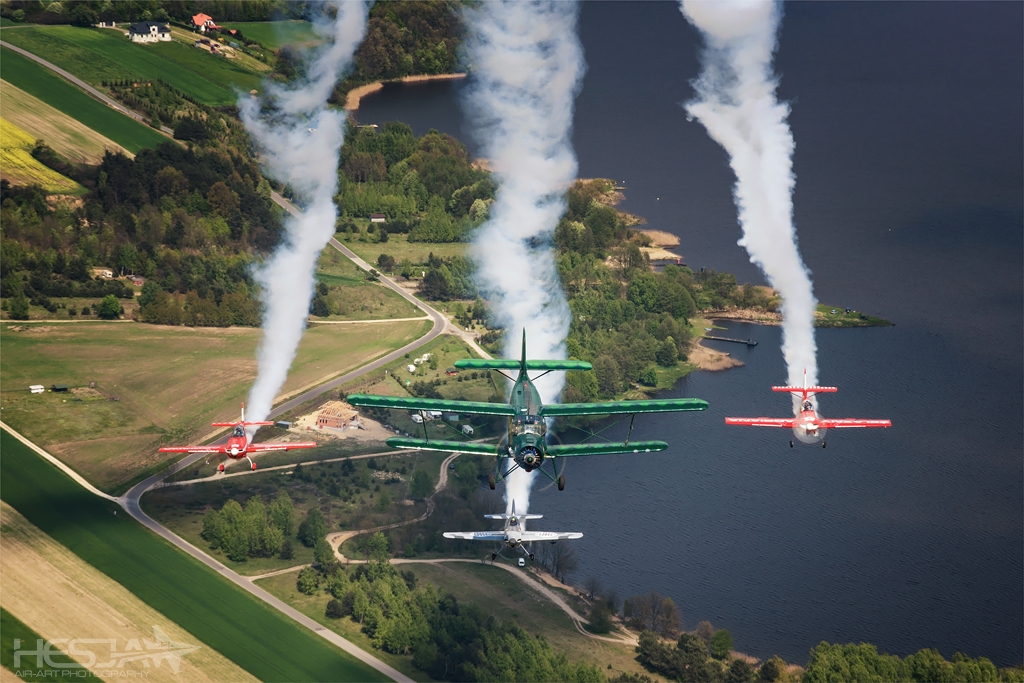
(93,92)
(59,465)
(365,322)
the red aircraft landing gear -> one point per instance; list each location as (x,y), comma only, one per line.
(251,463)
(561,485)
(490,481)
(220,467)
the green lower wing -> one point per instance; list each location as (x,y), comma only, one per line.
(576,450)
(471,407)
(447,446)
(668,405)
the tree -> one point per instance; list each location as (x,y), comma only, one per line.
(191,128)
(386,262)
(704,631)
(308,581)
(592,586)
(668,353)
(771,670)
(109,308)
(609,376)
(600,618)
(149,292)
(287,551)
(721,644)
(739,671)
(323,555)
(19,307)
(421,486)
(336,609)
(377,548)
(282,513)
(312,528)
(648,376)
(667,620)
(319,307)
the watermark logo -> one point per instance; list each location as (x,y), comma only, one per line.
(98,656)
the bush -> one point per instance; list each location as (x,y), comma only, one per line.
(308,581)
(336,609)
(649,376)
(109,308)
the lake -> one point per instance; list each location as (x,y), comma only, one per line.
(908,123)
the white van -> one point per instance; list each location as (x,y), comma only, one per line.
(37,388)
(522,561)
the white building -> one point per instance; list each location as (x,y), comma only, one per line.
(148,32)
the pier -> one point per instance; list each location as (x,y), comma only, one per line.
(748,342)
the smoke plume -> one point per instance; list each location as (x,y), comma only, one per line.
(737,105)
(527,68)
(300,140)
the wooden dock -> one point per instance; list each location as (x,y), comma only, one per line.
(748,342)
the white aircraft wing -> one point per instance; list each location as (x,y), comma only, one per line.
(550,535)
(476,535)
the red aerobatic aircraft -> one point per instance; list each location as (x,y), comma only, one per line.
(238,445)
(808,426)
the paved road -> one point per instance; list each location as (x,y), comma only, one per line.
(110,102)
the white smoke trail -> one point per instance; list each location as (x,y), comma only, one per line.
(737,105)
(527,67)
(300,140)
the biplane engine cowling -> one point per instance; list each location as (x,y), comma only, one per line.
(529,452)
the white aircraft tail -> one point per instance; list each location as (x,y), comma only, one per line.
(512,514)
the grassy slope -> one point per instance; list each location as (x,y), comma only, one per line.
(71,139)
(95,55)
(245,630)
(40,82)
(19,166)
(171,382)
(401,248)
(274,34)
(359,299)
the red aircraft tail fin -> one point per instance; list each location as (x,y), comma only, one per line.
(242,422)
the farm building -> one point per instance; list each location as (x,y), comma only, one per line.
(148,32)
(201,22)
(336,415)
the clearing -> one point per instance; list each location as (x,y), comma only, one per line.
(42,83)
(400,248)
(79,601)
(353,297)
(18,166)
(73,140)
(155,385)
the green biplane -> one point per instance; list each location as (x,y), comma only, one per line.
(526,444)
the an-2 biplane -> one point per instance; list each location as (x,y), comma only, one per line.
(238,445)
(808,426)
(526,444)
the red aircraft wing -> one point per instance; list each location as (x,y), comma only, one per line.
(854,422)
(193,449)
(761,421)
(260,447)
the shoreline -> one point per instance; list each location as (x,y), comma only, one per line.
(355,95)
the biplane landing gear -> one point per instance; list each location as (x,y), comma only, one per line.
(531,556)
(494,556)
(822,444)
(490,481)
(561,485)
(790,443)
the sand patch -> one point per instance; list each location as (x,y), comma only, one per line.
(708,359)
(660,238)
(58,595)
(746,314)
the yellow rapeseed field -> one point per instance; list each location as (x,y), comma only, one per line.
(20,168)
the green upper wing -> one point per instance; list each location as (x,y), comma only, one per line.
(448,446)
(668,405)
(474,407)
(605,448)
(501,364)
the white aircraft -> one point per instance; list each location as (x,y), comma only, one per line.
(514,535)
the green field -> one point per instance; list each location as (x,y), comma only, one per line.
(169,382)
(401,248)
(356,297)
(40,82)
(274,34)
(95,55)
(224,617)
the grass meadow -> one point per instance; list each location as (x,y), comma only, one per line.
(357,298)
(245,630)
(169,382)
(19,166)
(42,83)
(95,55)
(274,34)
(401,248)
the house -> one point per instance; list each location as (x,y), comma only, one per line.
(336,415)
(148,32)
(137,280)
(378,218)
(201,22)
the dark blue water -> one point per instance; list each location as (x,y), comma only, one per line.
(908,123)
